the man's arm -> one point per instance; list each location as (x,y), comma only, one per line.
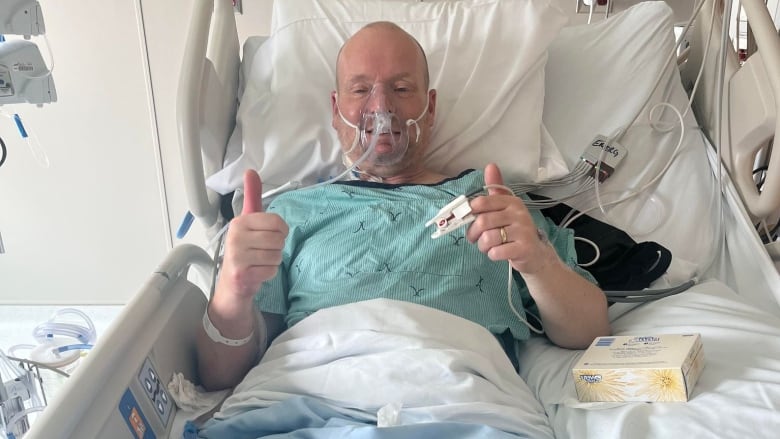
(573,310)
(221,366)
(253,253)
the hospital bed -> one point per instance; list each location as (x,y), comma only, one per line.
(697,208)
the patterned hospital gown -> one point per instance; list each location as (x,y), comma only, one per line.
(353,241)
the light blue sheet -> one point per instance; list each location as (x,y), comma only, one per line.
(310,418)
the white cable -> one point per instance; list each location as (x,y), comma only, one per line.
(509,275)
(499,186)
(590,13)
(619,135)
(766,230)
(512,305)
(600,204)
(648,184)
(671,57)
(597,173)
(595,249)
(703,61)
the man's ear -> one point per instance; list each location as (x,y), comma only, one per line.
(334,107)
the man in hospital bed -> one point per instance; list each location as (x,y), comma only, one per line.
(364,239)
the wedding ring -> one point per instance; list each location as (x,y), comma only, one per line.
(503,235)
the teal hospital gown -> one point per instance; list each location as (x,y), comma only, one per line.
(355,241)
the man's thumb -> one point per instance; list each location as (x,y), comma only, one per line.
(253,192)
(493,177)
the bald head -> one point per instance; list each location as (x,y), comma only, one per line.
(383,68)
(377,37)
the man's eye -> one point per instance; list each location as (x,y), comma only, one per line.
(360,91)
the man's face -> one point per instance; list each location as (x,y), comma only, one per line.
(382,69)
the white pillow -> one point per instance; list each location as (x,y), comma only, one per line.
(598,76)
(486,59)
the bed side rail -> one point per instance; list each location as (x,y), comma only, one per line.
(88,401)
(754,104)
(750,100)
(207,101)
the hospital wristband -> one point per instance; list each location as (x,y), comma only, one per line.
(217,337)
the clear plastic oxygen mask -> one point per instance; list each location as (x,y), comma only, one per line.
(381,137)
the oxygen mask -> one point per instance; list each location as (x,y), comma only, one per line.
(381,136)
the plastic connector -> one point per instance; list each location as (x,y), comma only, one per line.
(611,153)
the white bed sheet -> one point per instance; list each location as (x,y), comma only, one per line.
(364,356)
(737,395)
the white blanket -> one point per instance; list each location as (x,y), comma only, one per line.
(737,395)
(368,355)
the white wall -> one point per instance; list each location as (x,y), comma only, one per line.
(93,226)
(90,228)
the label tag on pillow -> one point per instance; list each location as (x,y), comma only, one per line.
(611,154)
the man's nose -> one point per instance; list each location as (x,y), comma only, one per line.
(378,100)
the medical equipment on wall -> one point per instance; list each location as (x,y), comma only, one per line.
(21,17)
(24,76)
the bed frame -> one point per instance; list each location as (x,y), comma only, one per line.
(155,334)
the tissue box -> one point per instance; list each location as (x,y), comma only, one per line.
(639,368)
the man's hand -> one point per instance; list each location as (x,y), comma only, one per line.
(253,252)
(573,310)
(253,246)
(504,229)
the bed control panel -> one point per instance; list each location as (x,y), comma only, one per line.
(155,390)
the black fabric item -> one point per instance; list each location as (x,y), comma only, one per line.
(226,206)
(623,264)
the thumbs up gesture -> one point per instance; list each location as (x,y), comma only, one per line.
(253,245)
(504,229)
